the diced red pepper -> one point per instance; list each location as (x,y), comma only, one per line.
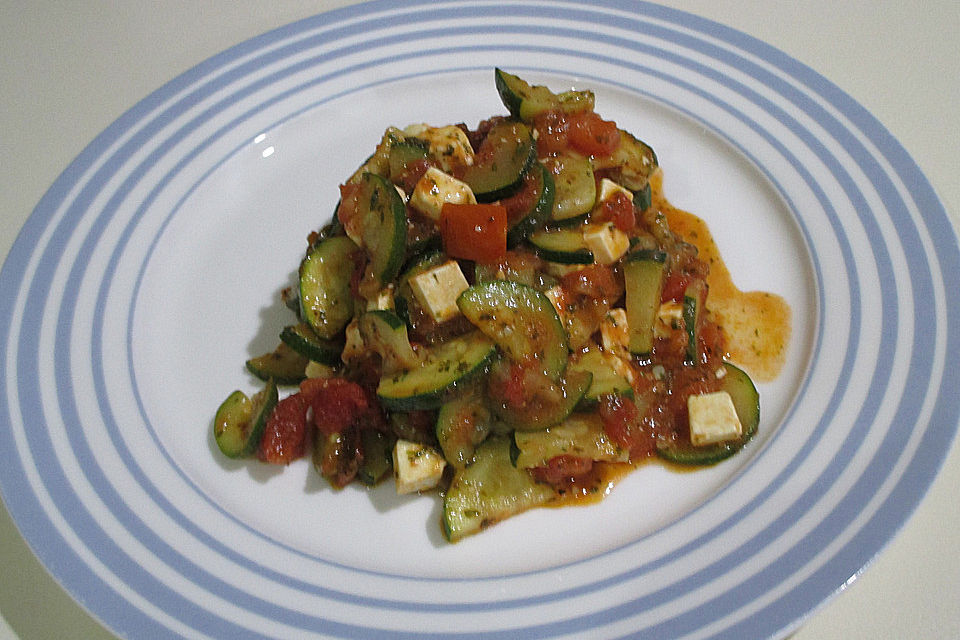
(475,232)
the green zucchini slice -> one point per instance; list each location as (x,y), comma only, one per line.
(490,489)
(377,456)
(240,421)
(746,401)
(606,380)
(283,365)
(382,218)
(502,161)
(302,339)
(643,282)
(633,160)
(565,246)
(539,212)
(549,407)
(521,320)
(575,189)
(326,303)
(581,435)
(443,371)
(462,424)
(527,102)
(694,298)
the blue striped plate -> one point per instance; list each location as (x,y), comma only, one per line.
(151,270)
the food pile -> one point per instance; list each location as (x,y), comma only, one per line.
(501,314)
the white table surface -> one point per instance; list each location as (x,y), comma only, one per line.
(67,70)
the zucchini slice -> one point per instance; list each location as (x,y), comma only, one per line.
(386,333)
(606,380)
(746,401)
(542,188)
(283,365)
(581,435)
(548,408)
(643,283)
(326,303)
(633,160)
(444,370)
(694,298)
(382,225)
(527,102)
(566,246)
(377,456)
(502,161)
(521,320)
(240,421)
(490,489)
(575,190)
(302,339)
(462,424)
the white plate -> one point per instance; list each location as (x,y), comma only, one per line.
(151,269)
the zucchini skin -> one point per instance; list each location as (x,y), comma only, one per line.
(497,307)
(302,339)
(446,369)
(326,302)
(746,401)
(643,280)
(498,174)
(489,490)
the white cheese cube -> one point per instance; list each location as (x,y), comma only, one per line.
(416,467)
(606,242)
(669,318)
(438,288)
(713,418)
(382,301)
(614,331)
(436,188)
(609,189)
(449,146)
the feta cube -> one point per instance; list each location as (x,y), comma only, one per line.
(438,288)
(435,188)
(713,418)
(606,242)
(382,301)
(416,467)
(609,189)
(449,146)
(614,331)
(669,319)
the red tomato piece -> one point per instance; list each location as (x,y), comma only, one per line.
(475,232)
(563,470)
(336,403)
(623,422)
(618,210)
(591,135)
(596,281)
(285,435)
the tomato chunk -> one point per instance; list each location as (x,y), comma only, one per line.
(336,403)
(593,136)
(624,423)
(285,434)
(475,232)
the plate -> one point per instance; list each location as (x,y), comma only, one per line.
(151,270)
